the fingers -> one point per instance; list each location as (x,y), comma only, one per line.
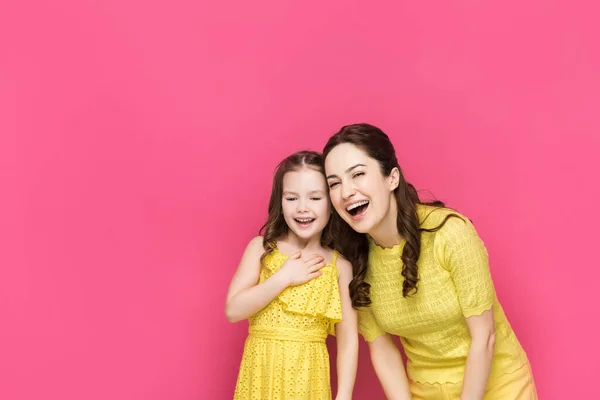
(316,266)
(314,260)
(296,255)
(314,275)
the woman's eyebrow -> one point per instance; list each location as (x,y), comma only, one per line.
(348,170)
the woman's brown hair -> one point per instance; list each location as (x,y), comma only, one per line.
(353,245)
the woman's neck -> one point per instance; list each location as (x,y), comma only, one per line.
(385,234)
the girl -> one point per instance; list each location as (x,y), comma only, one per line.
(293,289)
(421,273)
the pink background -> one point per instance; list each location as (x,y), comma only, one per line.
(137,145)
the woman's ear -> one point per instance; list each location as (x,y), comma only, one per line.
(394,178)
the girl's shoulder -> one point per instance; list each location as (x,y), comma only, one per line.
(344,266)
(256,245)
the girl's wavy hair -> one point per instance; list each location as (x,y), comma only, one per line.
(276,227)
(353,245)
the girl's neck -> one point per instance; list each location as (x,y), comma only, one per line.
(299,243)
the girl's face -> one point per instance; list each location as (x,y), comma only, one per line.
(359,192)
(305,203)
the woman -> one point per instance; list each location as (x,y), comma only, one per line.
(421,273)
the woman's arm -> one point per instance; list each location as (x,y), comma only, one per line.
(389,368)
(464,255)
(481,353)
(346,333)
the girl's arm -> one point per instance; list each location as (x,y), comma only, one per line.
(346,333)
(246,297)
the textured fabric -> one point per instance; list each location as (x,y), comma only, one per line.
(454,283)
(516,385)
(285,356)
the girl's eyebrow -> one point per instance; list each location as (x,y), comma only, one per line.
(296,194)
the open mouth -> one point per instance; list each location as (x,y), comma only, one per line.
(358,209)
(304,222)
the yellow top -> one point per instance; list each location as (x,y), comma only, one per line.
(454,284)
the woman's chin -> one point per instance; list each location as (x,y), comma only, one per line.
(360,226)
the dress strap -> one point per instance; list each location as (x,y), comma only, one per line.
(334,258)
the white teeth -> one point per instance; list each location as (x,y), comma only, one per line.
(353,206)
(303,220)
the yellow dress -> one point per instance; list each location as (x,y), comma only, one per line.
(285,356)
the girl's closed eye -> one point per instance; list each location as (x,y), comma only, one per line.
(315,198)
(290,198)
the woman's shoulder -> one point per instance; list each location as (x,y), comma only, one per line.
(452,230)
(431,217)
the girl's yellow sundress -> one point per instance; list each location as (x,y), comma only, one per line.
(285,356)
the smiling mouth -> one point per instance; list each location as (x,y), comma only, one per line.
(358,209)
(304,222)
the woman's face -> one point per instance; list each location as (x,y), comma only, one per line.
(359,192)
